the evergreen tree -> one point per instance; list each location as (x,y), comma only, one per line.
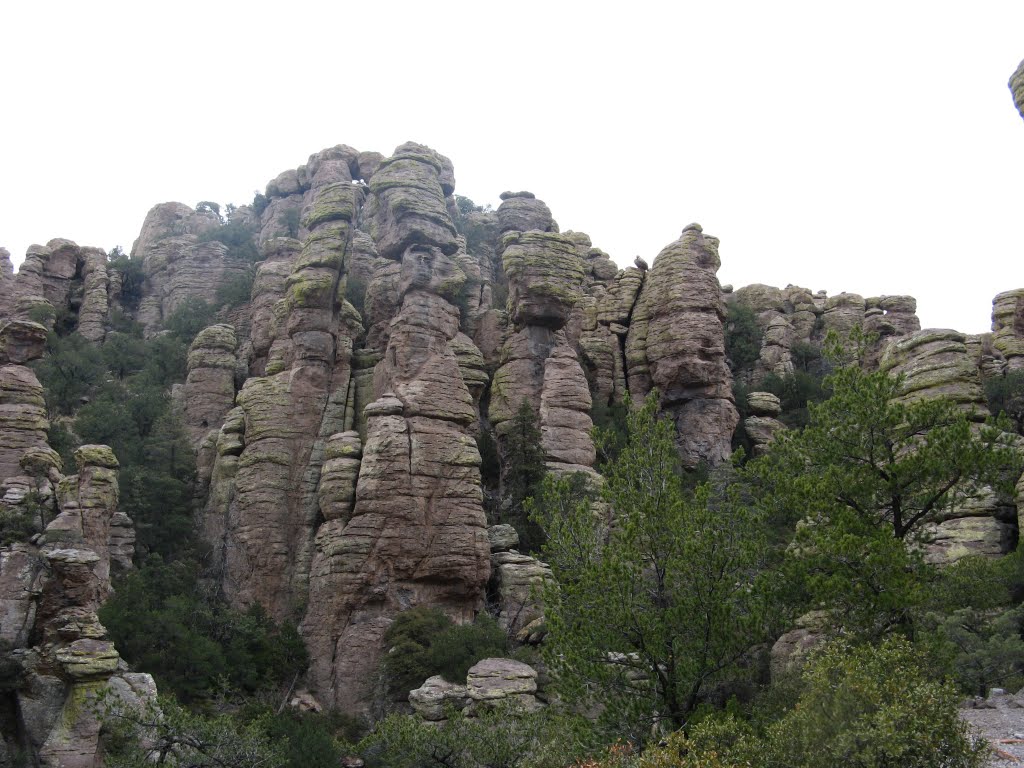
(524,469)
(866,477)
(662,600)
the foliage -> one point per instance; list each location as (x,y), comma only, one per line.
(307,739)
(259,203)
(189,318)
(742,337)
(18,523)
(524,468)
(479,230)
(236,290)
(133,277)
(168,734)
(668,598)
(355,294)
(205,206)
(193,643)
(291,218)
(871,707)
(1005,394)
(238,236)
(502,737)
(795,392)
(866,476)
(424,642)
(611,430)
(863,707)
(68,372)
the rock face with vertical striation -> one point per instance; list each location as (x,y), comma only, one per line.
(336,410)
(417,533)
(210,386)
(1008,327)
(676,345)
(537,363)
(50,592)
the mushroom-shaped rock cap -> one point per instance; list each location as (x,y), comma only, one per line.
(37,462)
(510,195)
(96,456)
(764,404)
(386,405)
(343,445)
(503,537)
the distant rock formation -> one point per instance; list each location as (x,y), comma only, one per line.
(336,408)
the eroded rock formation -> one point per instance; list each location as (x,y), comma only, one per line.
(676,345)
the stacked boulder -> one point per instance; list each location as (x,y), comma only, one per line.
(762,425)
(517,581)
(676,345)
(537,364)
(490,683)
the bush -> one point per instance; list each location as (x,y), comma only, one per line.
(189,318)
(133,277)
(525,469)
(1005,394)
(70,371)
(237,289)
(424,642)
(238,236)
(193,643)
(503,737)
(795,391)
(873,707)
(742,337)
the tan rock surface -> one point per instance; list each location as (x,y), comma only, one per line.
(676,344)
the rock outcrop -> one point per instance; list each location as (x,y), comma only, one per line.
(50,592)
(210,385)
(935,363)
(1017,88)
(676,345)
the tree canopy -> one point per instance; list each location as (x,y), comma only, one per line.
(660,590)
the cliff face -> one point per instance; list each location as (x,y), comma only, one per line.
(336,414)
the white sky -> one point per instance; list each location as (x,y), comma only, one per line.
(868,146)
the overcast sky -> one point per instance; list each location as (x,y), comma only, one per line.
(869,147)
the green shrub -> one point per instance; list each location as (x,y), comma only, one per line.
(524,470)
(873,707)
(355,294)
(238,236)
(194,644)
(189,318)
(795,391)
(424,642)
(1005,394)
(133,277)
(742,337)
(611,430)
(70,371)
(237,289)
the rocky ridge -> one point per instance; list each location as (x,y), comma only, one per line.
(336,414)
